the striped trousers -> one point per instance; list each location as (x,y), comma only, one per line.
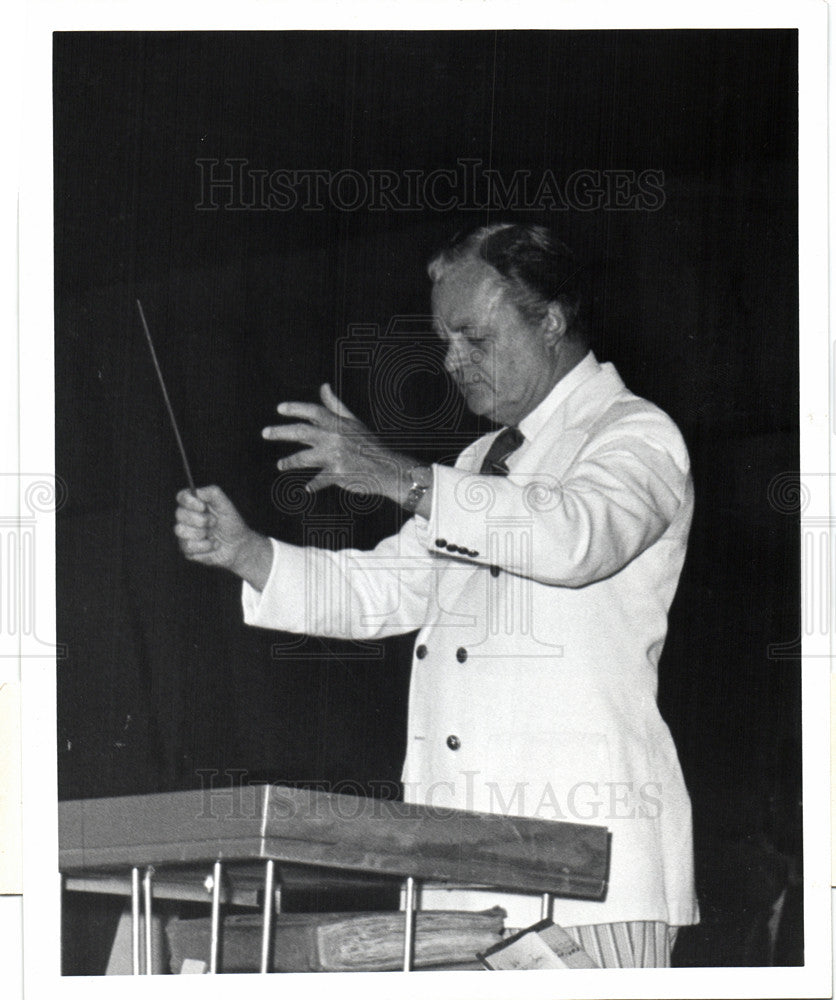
(637,944)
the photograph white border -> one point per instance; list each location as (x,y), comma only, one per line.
(35,344)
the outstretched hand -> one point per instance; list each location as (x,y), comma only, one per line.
(336,443)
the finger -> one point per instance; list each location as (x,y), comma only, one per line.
(312,412)
(214,497)
(319,482)
(194,518)
(216,501)
(308,458)
(334,403)
(187,499)
(197,546)
(186,532)
(303,433)
(205,558)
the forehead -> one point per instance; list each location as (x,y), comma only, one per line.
(468,291)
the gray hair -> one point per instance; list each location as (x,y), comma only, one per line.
(535,268)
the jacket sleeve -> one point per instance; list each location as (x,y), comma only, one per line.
(574,527)
(348,593)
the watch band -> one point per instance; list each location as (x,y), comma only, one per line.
(422,478)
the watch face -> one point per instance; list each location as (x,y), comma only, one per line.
(422,476)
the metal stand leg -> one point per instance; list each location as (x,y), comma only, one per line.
(269,903)
(546,906)
(409,924)
(149,954)
(135,904)
(216,918)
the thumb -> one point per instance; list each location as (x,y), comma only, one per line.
(214,497)
(332,402)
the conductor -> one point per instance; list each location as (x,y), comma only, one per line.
(538,571)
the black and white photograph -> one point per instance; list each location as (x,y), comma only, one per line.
(435,574)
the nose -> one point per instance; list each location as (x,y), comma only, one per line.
(455,357)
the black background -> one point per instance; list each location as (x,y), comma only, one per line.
(695,303)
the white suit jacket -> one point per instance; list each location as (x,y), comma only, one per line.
(542,602)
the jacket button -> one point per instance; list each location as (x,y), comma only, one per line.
(461,654)
(452,548)
(421,651)
(495,570)
(473,553)
(453,742)
(441,543)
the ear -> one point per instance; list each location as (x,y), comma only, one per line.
(554,325)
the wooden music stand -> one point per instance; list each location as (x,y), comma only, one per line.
(132,844)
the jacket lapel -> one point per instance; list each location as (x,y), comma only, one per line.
(557,445)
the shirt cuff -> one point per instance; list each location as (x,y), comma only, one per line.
(281,605)
(455,496)
(252,599)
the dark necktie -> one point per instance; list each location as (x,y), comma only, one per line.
(504,445)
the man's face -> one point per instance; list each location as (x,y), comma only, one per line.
(501,365)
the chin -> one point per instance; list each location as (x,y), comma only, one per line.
(478,401)
(489,412)
(481,408)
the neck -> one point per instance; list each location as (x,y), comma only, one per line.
(568,356)
(571,355)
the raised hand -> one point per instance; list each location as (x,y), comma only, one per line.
(336,443)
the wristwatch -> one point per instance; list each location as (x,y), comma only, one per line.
(422,480)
